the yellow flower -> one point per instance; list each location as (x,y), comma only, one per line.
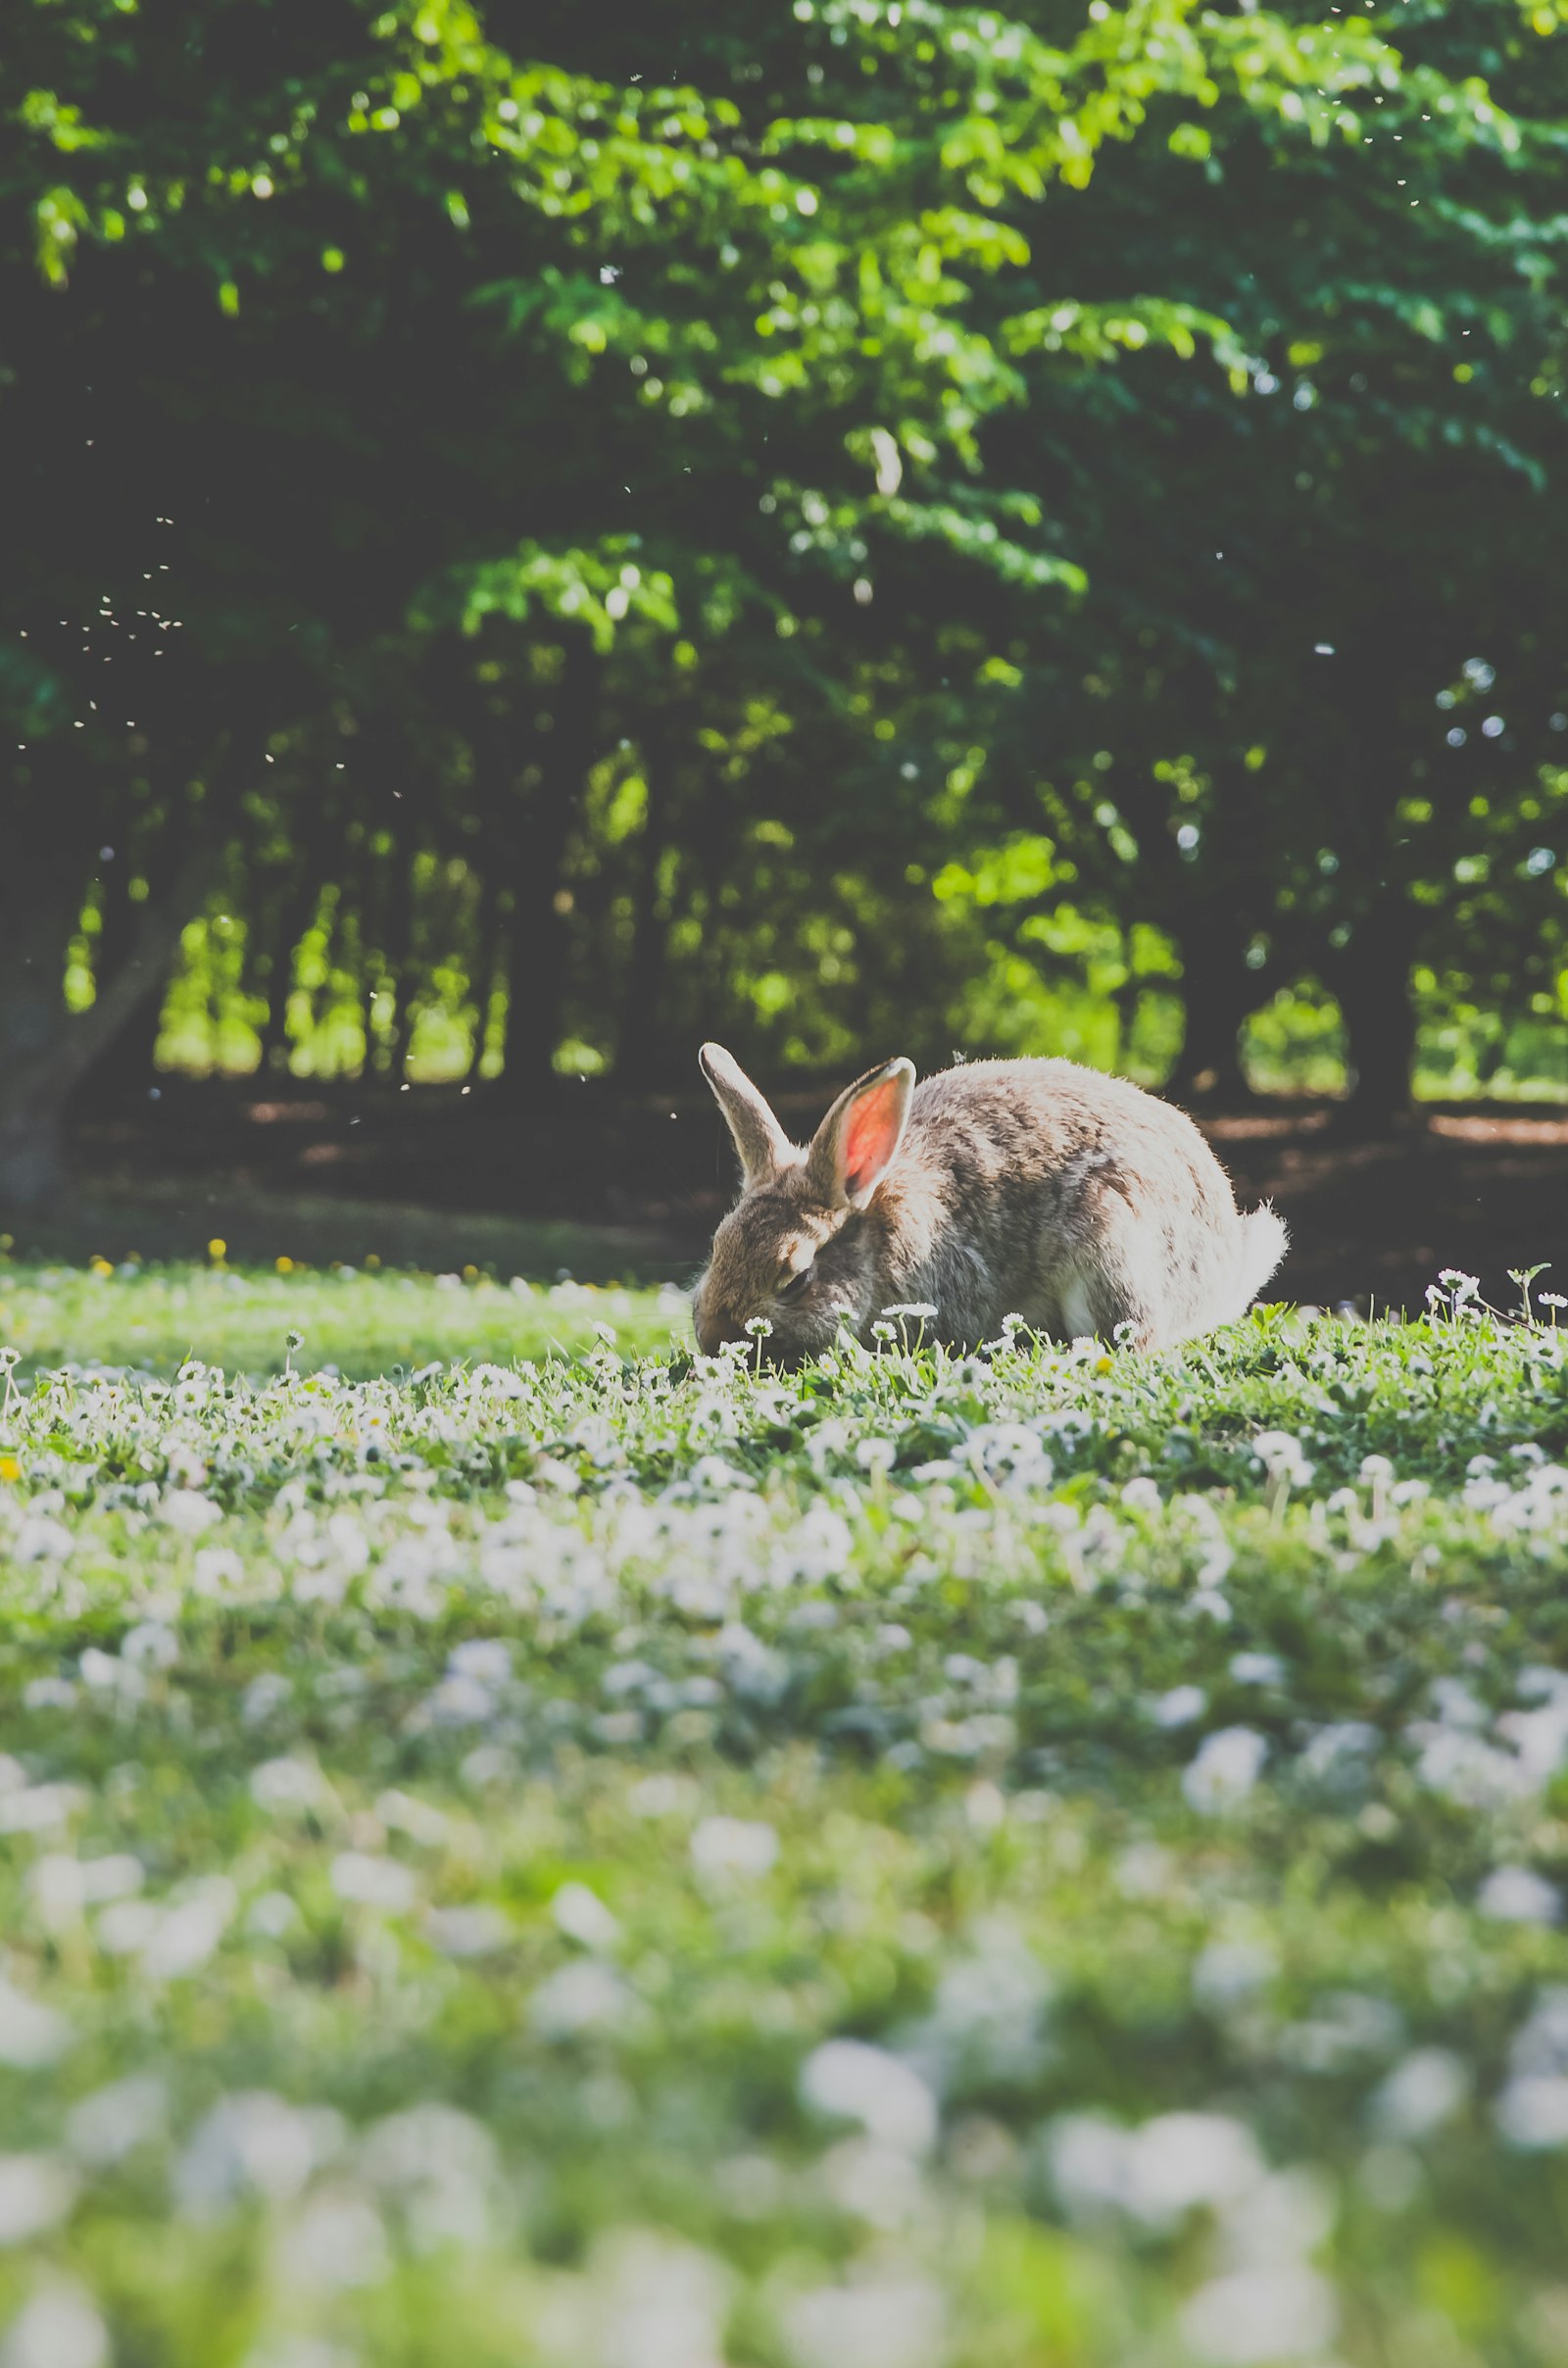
(100,1265)
(217,1251)
(285,1265)
(1104,1364)
(10,1468)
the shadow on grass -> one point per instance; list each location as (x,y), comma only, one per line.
(157,1219)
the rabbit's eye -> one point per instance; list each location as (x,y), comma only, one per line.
(790,1285)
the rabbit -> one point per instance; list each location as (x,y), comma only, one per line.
(1033,1187)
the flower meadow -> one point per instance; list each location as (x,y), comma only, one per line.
(1049,1858)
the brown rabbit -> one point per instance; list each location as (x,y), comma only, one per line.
(1034,1188)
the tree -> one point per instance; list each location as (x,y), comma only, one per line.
(1270,658)
(633,514)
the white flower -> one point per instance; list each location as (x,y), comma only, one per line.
(1420,2094)
(486,1660)
(1279,1454)
(126,1926)
(104,2126)
(1533,2111)
(1467,1769)
(1516,1894)
(1179,1707)
(1229,1970)
(1226,1768)
(271,1914)
(891,2318)
(660,1796)
(475,1931)
(288,1784)
(1156,2172)
(1256,1668)
(42,1539)
(188,1930)
(252,2143)
(59,2328)
(48,1694)
(217,1570)
(407,1813)
(848,2079)
(337,2241)
(30,2033)
(1281,2311)
(441,2165)
(1338,1755)
(582,1916)
(36,2191)
(1283,2216)
(39,1808)
(737,1847)
(646,2302)
(151,1645)
(189,1511)
(1179,2160)
(1143,1871)
(368,1880)
(585,1996)
(62,1886)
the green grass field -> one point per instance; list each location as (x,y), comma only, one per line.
(154,1317)
(1050,1859)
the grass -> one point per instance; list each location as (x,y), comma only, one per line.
(360,1324)
(172,1219)
(1047,1859)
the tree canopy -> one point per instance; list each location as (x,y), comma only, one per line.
(819,522)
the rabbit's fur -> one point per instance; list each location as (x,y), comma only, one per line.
(1033,1188)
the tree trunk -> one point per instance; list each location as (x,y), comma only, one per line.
(1371,978)
(399,957)
(488,934)
(637,1037)
(1218,992)
(539,938)
(128,1063)
(48,1050)
(124,1062)
(33,998)
(287,922)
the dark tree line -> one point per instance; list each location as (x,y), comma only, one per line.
(765,531)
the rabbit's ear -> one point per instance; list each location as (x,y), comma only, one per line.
(858,1141)
(763,1146)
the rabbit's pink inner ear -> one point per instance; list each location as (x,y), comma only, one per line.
(872,1126)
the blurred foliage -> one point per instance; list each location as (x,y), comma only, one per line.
(837,526)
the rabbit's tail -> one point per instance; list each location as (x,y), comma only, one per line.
(1263,1242)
